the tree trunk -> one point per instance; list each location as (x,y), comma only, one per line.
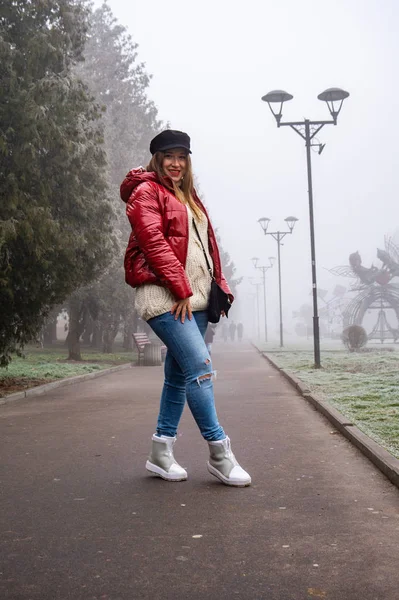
(130,321)
(54,330)
(88,330)
(96,335)
(50,327)
(74,330)
(108,341)
(109,335)
(130,326)
(50,332)
(128,338)
(108,345)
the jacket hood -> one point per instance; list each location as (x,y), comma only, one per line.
(133,179)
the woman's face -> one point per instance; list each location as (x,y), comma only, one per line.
(174,164)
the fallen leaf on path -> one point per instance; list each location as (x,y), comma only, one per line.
(317,593)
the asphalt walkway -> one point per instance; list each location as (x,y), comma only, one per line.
(81,519)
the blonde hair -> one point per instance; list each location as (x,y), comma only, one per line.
(185,192)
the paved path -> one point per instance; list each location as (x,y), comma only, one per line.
(81,520)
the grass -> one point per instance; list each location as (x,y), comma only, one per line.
(43,365)
(363,387)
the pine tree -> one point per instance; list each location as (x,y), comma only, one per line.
(119,83)
(55,216)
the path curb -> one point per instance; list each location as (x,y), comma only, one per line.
(381,458)
(41,389)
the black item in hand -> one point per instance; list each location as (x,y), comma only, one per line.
(218,302)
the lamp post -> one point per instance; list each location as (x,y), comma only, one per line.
(278,236)
(264,269)
(257,285)
(307,129)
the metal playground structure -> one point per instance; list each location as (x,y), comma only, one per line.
(378,292)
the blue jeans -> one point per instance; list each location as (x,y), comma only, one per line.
(188,374)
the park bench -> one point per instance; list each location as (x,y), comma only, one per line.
(147,351)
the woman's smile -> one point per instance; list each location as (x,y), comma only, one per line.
(175,164)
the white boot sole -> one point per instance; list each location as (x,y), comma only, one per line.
(213,471)
(164,474)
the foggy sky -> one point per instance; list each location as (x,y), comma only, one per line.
(212,61)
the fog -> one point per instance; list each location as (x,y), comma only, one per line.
(212,61)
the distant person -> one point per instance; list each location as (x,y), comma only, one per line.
(225,332)
(209,335)
(232,331)
(240,331)
(167,265)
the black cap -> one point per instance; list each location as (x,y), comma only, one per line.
(168,139)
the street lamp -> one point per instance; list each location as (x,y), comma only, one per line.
(334,98)
(278,236)
(264,269)
(257,285)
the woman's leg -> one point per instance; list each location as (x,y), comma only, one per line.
(173,398)
(189,363)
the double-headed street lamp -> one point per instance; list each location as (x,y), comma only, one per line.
(264,269)
(278,236)
(257,285)
(307,129)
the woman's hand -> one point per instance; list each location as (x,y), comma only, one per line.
(182,308)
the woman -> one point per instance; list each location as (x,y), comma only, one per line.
(166,263)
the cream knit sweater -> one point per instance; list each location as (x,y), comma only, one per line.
(153,300)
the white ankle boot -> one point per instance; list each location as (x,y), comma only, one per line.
(161,460)
(223,464)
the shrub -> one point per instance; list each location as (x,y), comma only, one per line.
(354,337)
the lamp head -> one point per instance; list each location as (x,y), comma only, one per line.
(277,97)
(264,223)
(291,222)
(255,260)
(272,260)
(334,98)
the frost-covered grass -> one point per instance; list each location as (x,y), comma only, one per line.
(42,365)
(363,387)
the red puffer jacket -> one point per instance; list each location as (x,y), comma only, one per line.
(158,244)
